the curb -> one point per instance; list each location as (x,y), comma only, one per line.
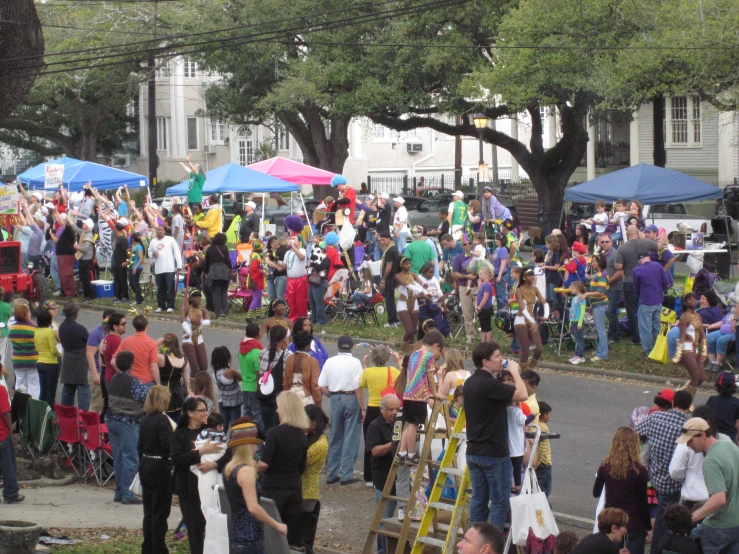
(549,365)
(47,482)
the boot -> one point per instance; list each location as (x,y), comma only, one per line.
(532,363)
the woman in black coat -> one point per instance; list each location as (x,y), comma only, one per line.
(155,439)
(218,266)
(185,482)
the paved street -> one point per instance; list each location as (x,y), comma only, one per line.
(586,411)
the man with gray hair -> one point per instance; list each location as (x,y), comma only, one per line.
(380,444)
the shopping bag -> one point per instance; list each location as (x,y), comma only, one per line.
(689,283)
(530,510)
(216,529)
(659,353)
(135,487)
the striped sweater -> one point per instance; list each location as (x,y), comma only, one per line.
(22,339)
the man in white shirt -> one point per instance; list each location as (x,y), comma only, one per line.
(296,294)
(166,258)
(339,380)
(178,226)
(400,224)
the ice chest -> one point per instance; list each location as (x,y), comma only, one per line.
(102,289)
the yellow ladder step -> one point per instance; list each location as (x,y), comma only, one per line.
(452,471)
(441,506)
(431,541)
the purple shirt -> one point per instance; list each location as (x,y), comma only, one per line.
(459,265)
(34,243)
(650,283)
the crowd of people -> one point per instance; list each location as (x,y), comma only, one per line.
(177,418)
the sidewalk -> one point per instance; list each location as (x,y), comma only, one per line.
(78,506)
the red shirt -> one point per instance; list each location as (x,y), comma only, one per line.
(4,409)
(351,194)
(335,260)
(112,343)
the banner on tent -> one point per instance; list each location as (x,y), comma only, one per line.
(9,197)
(54,176)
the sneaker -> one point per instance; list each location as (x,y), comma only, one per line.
(413,460)
(576,360)
(401,514)
(573,360)
(133,501)
(332,481)
(368,484)
(399,459)
(158,310)
(597,359)
(391,325)
(16,500)
(170,310)
(349,481)
(117,499)
(713,367)
(57,293)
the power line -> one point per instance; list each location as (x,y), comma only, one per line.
(189,35)
(269,36)
(53,26)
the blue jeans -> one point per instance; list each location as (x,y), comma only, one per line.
(48,376)
(717,541)
(649,325)
(8,469)
(359,297)
(134,279)
(315,299)
(83,396)
(400,242)
(230,414)
(276,288)
(55,271)
(718,343)
(491,488)
(673,335)
(250,407)
(387,513)
(346,430)
(515,347)
(614,331)
(636,543)
(501,291)
(165,290)
(631,301)
(599,315)
(124,438)
(663,500)
(544,477)
(579,337)
(251,547)
(373,248)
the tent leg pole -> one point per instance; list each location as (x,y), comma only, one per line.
(305,211)
(262,229)
(729,233)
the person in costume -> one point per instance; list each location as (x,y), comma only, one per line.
(348,195)
(256,274)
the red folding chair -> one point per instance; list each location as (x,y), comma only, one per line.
(97,448)
(240,293)
(69,440)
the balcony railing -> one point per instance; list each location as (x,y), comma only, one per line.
(609,156)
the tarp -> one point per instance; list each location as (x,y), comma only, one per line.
(293,172)
(644,182)
(236,178)
(78,173)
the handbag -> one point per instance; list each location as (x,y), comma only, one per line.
(660,352)
(530,510)
(216,529)
(266,382)
(390,385)
(315,279)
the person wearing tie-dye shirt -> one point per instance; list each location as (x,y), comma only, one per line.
(419,388)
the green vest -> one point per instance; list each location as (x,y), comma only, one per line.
(459,215)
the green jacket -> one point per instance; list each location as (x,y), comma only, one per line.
(249,350)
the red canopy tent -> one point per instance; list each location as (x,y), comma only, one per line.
(293,172)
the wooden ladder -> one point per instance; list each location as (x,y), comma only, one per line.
(428,432)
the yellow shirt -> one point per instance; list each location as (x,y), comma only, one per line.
(315,459)
(375,380)
(212,223)
(544,452)
(45,341)
(533,405)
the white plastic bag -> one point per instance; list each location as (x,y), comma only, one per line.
(347,235)
(216,528)
(530,510)
(135,487)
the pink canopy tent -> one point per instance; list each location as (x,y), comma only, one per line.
(293,172)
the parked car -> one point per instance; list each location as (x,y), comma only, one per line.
(277,214)
(427,214)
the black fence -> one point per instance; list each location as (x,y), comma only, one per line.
(609,156)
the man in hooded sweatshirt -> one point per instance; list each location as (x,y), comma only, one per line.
(249,349)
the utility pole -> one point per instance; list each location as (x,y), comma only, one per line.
(457,156)
(152,123)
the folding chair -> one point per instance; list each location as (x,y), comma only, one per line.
(38,428)
(240,293)
(98,451)
(146,279)
(69,441)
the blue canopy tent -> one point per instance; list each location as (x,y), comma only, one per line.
(78,173)
(236,178)
(644,182)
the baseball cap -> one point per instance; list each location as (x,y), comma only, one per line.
(667,394)
(579,247)
(88,223)
(458,193)
(123,221)
(416,230)
(399,200)
(384,196)
(252,205)
(651,228)
(642,255)
(726,378)
(370,198)
(37,195)
(694,426)
(345,343)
